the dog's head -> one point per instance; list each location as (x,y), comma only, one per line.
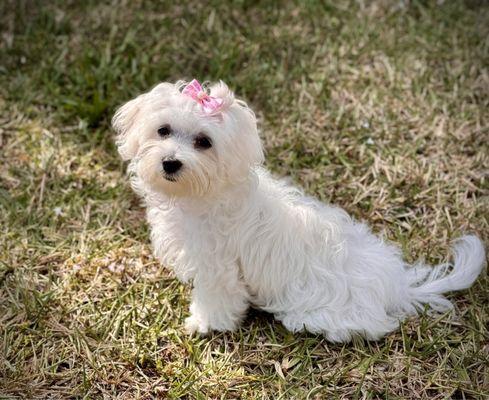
(178,148)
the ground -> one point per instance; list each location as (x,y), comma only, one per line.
(380,107)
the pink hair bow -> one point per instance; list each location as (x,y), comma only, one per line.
(210,105)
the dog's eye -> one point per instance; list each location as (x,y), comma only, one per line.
(164,131)
(202,142)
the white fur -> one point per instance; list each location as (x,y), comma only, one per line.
(245,238)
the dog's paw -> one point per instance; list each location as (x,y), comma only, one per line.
(194,326)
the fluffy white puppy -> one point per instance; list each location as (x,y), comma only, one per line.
(244,238)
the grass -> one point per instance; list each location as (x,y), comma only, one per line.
(380,107)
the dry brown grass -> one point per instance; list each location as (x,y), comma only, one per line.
(377,107)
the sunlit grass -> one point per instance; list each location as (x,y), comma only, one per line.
(380,107)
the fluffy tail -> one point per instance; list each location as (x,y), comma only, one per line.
(427,284)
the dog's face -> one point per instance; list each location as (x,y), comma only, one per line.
(177,149)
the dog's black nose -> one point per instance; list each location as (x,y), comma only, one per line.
(171,166)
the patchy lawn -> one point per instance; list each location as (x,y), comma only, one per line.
(380,107)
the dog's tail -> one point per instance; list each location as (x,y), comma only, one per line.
(427,284)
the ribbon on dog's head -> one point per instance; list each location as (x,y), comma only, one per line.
(210,105)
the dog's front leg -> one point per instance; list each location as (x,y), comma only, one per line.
(219,300)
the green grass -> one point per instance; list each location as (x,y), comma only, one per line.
(380,107)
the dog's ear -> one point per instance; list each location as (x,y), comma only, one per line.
(123,121)
(244,118)
(125,118)
(251,146)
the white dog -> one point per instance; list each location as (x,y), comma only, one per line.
(219,219)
